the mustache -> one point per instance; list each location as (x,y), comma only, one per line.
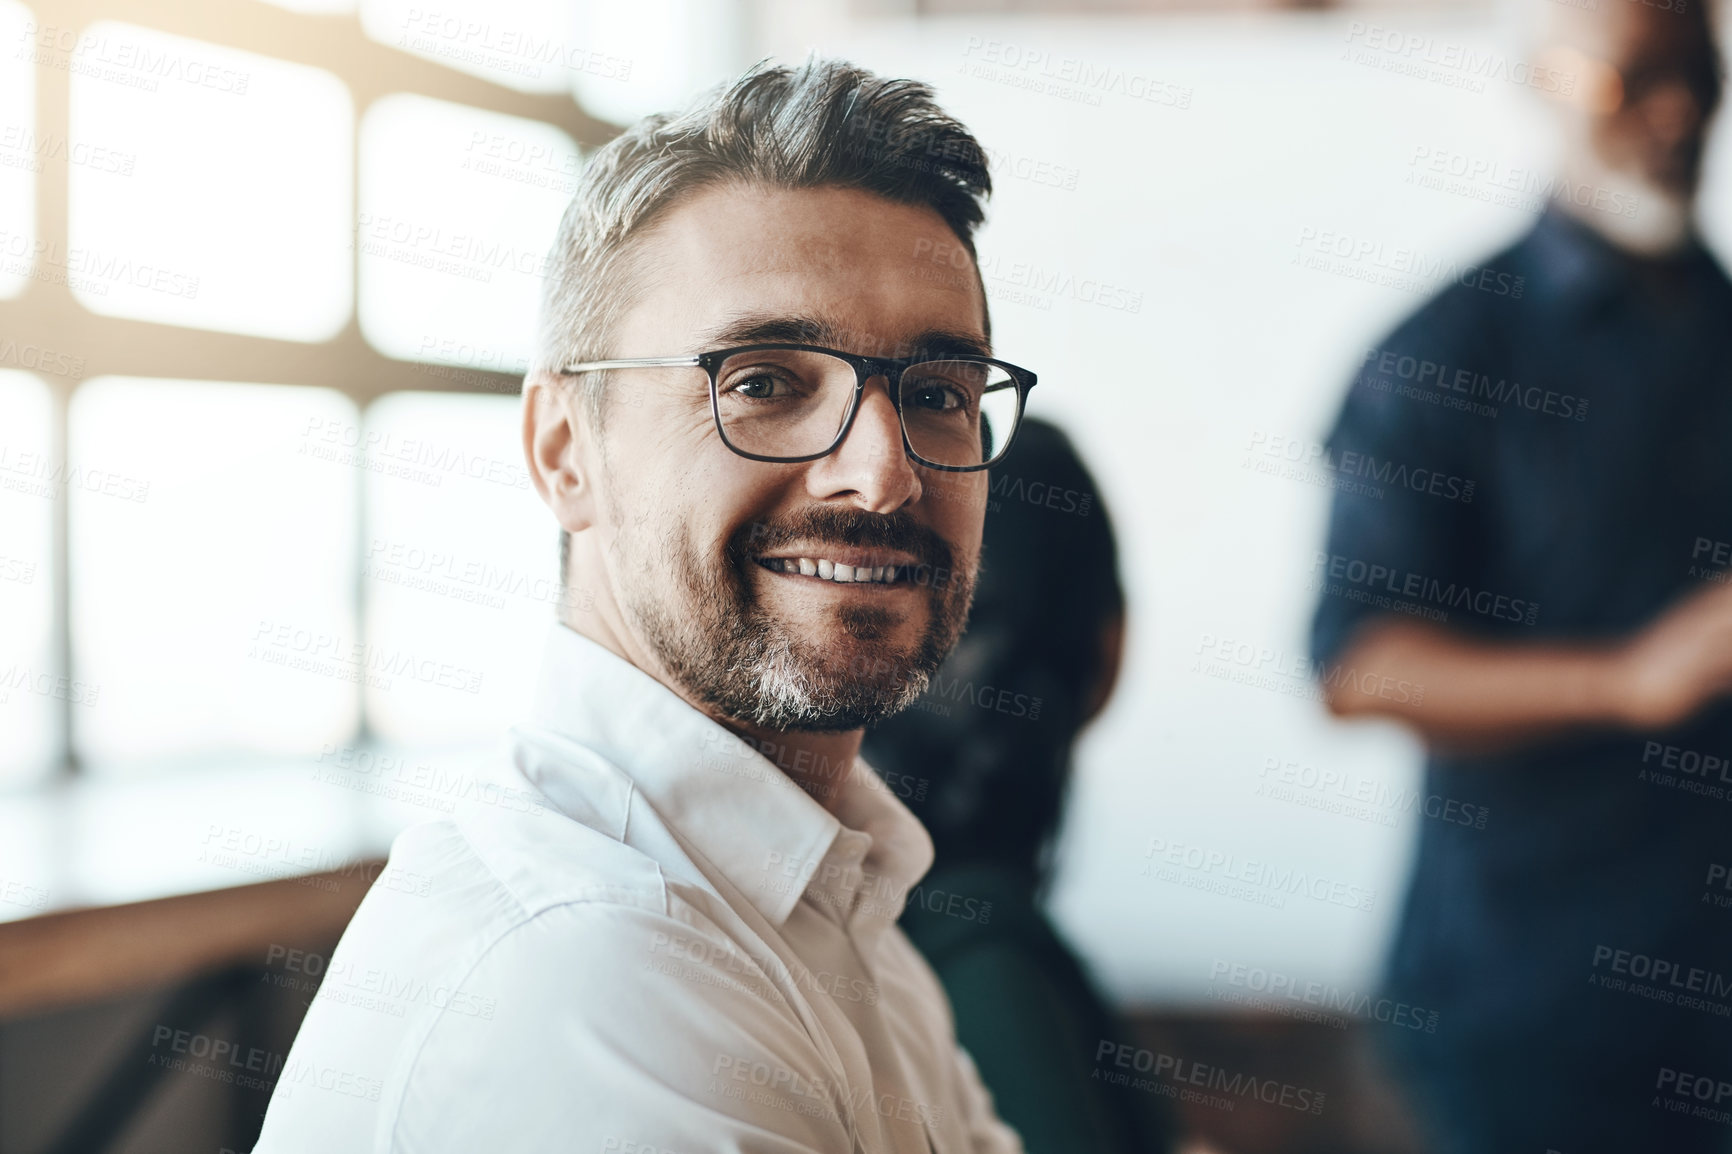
(848,527)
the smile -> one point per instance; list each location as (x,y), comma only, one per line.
(836,572)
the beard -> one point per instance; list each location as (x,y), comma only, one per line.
(716,639)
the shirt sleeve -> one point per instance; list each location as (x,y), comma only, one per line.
(1406,489)
(679,1043)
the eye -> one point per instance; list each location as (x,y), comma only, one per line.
(762,383)
(937,397)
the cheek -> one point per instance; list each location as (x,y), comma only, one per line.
(720,499)
(958,504)
(666,460)
(664,421)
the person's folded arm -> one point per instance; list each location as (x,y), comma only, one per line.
(1485,695)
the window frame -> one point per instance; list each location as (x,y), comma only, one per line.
(116,346)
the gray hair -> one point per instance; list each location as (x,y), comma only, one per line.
(826,123)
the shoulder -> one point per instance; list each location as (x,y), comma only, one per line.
(508,867)
(596,1019)
(594,998)
(451,890)
(1481,300)
(1408,384)
(417,954)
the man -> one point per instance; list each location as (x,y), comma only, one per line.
(1558,613)
(694,949)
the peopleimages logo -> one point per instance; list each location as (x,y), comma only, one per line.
(1438,379)
(1397,266)
(1186,1072)
(1455,65)
(1527,189)
(1661,980)
(1263,882)
(1378,472)
(1689,1093)
(1265,667)
(1365,799)
(1281,993)
(1405,583)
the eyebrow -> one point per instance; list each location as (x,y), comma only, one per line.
(752,328)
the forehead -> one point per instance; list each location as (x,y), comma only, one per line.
(877,271)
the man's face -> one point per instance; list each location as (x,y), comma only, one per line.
(693,537)
(1664,86)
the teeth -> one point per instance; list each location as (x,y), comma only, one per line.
(833,570)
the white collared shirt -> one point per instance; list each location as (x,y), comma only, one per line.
(683,952)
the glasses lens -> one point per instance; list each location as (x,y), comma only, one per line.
(959,413)
(783,402)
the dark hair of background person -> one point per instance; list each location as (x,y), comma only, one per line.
(1047,595)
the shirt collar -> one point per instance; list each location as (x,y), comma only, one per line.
(719,792)
(886,846)
(1572,261)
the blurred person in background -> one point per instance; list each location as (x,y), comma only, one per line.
(1534,579)
(763,428)
(986,754)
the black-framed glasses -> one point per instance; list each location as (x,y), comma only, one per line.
(789,402)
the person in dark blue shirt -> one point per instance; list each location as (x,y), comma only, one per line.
(1532,533)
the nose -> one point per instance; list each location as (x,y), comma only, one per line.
(870,466)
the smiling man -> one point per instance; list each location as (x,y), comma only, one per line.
(762,426)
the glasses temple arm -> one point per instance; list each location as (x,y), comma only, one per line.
(633,362)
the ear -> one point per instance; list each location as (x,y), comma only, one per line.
(1112,652)
(557,451)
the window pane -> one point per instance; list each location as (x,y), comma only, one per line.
(524,44)
(458,210)
(212,545)
(658,54)
(21,150)
(29,481)
(235,214)
(459,569)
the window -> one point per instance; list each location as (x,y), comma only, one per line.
(27,491)
(215,549)
(215,187)
(457,208)
(21,150)
(213,538)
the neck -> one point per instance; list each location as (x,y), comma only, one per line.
(819,763)
(1661,224)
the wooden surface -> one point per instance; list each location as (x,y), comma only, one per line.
(81,956)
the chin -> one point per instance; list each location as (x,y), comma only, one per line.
(792,691)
